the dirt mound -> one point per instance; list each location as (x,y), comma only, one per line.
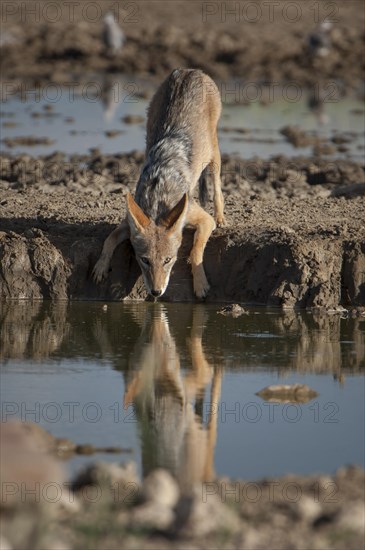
(289,242)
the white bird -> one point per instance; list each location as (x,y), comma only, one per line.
(113,36)
(319,41)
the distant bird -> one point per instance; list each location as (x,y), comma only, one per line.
(319,42)
(316,104)
(113,36)
(110,97)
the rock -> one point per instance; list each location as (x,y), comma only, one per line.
(111,481)
(287,393)
(29,474)
(152,515)
(27,141)
(133,119)
(298,137)
(196,518)
(64,446)
(160,488)
(233,310)
(308,509)
(30,434)
(323,149)
(113,450)
(85,449)
(32,268)
(113,133)
(4,544)
(352,517)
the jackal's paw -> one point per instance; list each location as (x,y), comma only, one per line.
(220,221)
(201,286)
(100,271)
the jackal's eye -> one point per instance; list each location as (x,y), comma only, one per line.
(145,260)
(167,260)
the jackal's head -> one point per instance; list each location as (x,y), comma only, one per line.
(156,245)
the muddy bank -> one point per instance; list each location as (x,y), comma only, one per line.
(257,42)
(108,506)
(294,238)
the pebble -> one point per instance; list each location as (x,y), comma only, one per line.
(233,310)
(287,393)
(160,488)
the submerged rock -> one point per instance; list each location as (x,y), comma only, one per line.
(288,393)
(233,310)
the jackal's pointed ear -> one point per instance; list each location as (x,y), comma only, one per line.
(137,219)
(175,219)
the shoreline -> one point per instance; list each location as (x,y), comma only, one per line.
(294,238)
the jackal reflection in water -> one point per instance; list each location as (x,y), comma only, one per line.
(170,403)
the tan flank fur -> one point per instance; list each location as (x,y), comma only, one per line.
(182,146)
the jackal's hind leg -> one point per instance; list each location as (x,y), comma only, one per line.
(204,224)
(101,268)
(215,167)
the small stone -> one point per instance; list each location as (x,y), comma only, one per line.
(287,393)
(152,515)
(65,446)
(308,508)
(85,449)
(161,488)
(133,119)
(113,133)
(233,310)
(119,483)
(198,518)
(352,517)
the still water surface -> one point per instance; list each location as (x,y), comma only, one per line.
(177,384)
(79,118)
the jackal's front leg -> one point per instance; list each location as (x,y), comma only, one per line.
(101,268)
(204,224)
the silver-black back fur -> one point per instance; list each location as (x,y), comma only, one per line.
(165,176)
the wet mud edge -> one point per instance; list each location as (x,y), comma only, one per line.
(272,271)
(276,265)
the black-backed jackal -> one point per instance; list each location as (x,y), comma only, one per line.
(182,143)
